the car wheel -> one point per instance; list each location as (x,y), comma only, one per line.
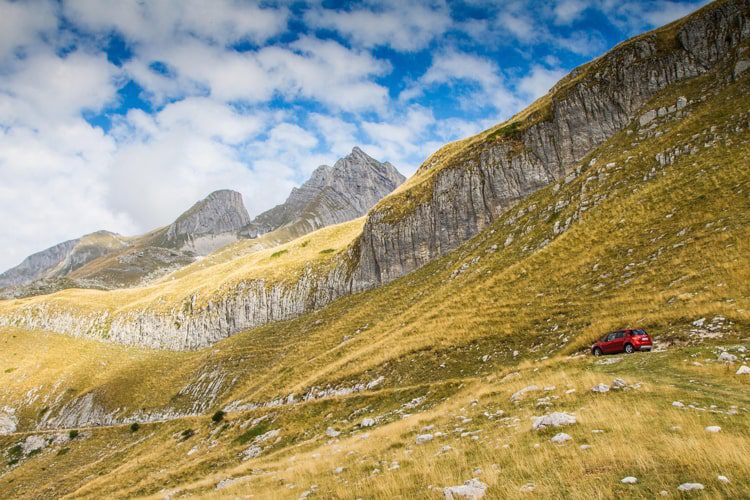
(597,351)
(629,348)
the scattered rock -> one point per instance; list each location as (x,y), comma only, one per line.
(678,404)
(527,488)
(338,470)
(8,421)
(251,452)
(723,479)
(32,444)
(713,428)
(561,438)
(424,438)
(629,480)
(690,487)
(619,383)
(727,357)
(743,370)
(471,489)
(516,396)
(647,117)
(367,422)
(681,102)
(331,432)
(741,67)
(600,388)
(585,447)
(556,419)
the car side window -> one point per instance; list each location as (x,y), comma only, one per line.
(611,336)
(619,335)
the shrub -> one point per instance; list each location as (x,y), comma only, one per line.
(252,433)
(218,416)
(73,434)
(187,434)
(134,427)
(328,250)
(278,254)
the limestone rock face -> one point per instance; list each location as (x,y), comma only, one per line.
(209,224)
(332,195)
(472,192)
(36,265)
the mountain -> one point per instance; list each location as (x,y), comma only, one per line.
(62,259)
(104,260)
(459,367)
(209,224)
(332,195)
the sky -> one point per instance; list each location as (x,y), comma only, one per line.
(120,114)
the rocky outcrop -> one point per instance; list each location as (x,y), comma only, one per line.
(209,224)
(332,195)
(35,266)
(585,109)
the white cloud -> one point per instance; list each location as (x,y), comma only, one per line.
(22,23)
(538,82)
(402,25)
(221,21)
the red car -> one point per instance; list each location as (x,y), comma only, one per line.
(627,341)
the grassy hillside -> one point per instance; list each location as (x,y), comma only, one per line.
(624,240)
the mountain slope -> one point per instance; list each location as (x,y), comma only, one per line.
(651,229)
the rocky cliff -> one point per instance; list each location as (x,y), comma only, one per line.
(332,195)
(472,186)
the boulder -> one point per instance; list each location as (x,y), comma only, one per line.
(561,438)
(713,428)
(743,370)
(367,422)
(556,419)
(727,357)
(424,438)
(471,489)
(629,480)
(600,388)
(331,432)
(647,117)
(690,487)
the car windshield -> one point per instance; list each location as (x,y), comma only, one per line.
(639,332)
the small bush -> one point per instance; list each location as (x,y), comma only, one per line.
(218,416)
(63,451)
(278,254)
(187,434)
(328,250)
(252,433)
(73,434)
(134,427)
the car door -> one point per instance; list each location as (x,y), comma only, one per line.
(607,344)
(618,342)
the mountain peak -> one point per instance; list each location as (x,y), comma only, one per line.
(220,212)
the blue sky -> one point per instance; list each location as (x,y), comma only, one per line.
(120,114)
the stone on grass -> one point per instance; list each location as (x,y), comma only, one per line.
(560,438)
(744,370)
(367,422)
(690,487)
(585,447)
(527,488)
(424,438)
(619,383)
(600,388)
(629,480)
(724,479)
(727,357)
(471,489)
(32,444)
(556,419)
(520,393)
(251,452)
(678,404)
(338,470)
(647,117)
(8,421)
(713,428)
(331,432)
